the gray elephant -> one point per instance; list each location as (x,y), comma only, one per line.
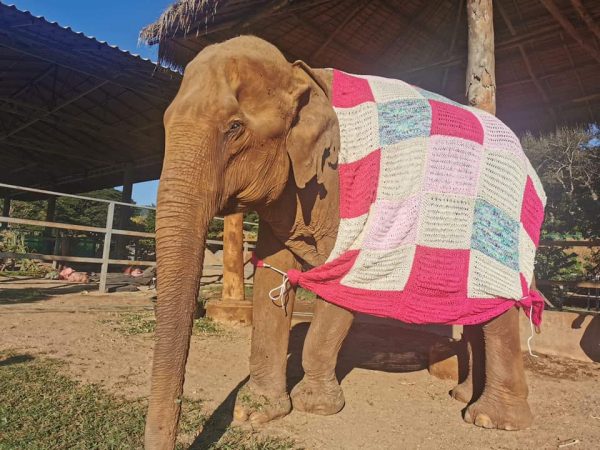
(393,200)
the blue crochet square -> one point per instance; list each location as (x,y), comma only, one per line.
(496,234)
(437,97)
(403,119)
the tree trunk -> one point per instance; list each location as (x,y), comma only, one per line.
(481,73)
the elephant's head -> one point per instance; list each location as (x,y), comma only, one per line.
(245,124)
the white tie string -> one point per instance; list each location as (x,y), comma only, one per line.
(277,294)
(531,326)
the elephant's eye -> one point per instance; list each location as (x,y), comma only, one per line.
(234,127)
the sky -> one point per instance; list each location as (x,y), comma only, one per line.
(116,21)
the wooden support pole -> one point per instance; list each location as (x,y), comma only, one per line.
(50,213)
(481,73)
(233,258)
(233,307)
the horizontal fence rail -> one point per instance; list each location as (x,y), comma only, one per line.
(108,232)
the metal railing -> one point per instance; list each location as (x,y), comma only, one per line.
(108,232)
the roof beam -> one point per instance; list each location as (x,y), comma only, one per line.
(350,16)
(55,109)
(569,28)
(525,58)
(586,17)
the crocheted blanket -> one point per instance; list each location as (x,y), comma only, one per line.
(440,209)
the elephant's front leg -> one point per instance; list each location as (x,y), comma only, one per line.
(265,396)
(503,403)
(319,391)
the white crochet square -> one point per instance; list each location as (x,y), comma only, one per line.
(490,279)
(502,182)
(359,131)
(387,90)
(446,221)
(381,270)
(526,255)
(350,234)
(402,169)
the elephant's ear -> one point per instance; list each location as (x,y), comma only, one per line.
(306,143)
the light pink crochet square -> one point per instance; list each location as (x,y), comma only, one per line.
(498,136)
(438,272)
(451,120)
(394,224)
(453,166)
(358,185)
(349,91)
(532,212)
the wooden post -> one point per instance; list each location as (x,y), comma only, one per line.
(48,232)
(233,258)
(106,250)
(481,72)
(126,197)
(5,211)
(481,93)
(233,307)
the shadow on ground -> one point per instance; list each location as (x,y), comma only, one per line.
(375,345)
(13,296)
(15,359)
(217,424)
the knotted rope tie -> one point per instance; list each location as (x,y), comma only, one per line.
(278,293)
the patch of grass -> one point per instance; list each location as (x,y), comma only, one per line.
(145,323)
(237,439)
(43,409)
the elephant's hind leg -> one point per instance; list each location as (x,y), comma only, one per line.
(470,389)
(319,391)
(503,403)
(265,396)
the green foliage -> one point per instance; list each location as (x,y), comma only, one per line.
(568,163)
(145,323)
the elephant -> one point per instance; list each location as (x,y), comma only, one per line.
(249,130)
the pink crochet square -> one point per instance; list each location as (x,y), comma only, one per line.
(438,272)
(453,166)
(349,91)
(394,224)
(451,120)
(358,185)
(532,212)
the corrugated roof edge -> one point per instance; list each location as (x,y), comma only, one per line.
(91,38)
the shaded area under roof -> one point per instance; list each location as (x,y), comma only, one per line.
(545,77)
(75,113)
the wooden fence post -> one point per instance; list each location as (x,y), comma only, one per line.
(110,214)
(5,210)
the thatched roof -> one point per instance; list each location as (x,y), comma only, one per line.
(547,57)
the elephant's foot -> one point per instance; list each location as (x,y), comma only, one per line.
(323,398)
(504,413)
(463,392)
(257,407)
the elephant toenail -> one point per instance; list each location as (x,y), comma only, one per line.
(483,420)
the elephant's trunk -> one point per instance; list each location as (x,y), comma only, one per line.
(187,201)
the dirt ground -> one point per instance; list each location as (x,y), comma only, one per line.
(391,401)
